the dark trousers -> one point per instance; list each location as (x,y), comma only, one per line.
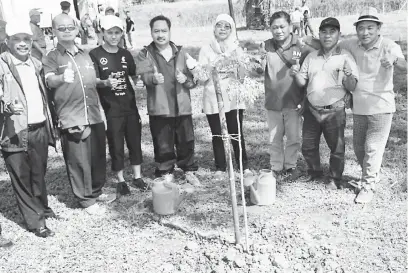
(331,123)
(168,132)
(27,172)
(86,163)
(119,129)
(218,144)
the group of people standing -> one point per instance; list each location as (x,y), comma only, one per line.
(88,98)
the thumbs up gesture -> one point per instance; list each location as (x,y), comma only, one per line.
(158,76)
(346,68)
(139,83)
(69,74)
(111,81)
(387,60)
(16,108)
(181,78)
(295,68)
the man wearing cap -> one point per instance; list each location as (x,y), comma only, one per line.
(26,127)
(70,73)
(39,46)
(114,66)
(329,73)
(373,98)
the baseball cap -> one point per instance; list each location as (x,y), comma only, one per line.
(34,12)
(330,21)
(65,4)
(15,27)
(368,14)
(110,21)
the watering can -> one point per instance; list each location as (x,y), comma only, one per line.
(166,197)
(263,188)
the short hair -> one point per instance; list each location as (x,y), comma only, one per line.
(58,16)
(278,15)
(160,18)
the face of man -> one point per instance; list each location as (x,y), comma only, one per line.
(20,45)
(109,12)
(222,30)
(280,29)
(160,33)
(367,32)
(65,29)
(329,36)
(112,36)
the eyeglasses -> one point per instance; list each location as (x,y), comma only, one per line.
(64,29)
(226,27)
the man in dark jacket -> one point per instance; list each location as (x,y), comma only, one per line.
(168,83)
(25,125)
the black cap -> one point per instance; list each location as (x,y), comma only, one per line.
(65,4)
(330,21)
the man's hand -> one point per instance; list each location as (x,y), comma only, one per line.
(181,78)
(347,69)
(139,83)
(158,76)
(111,81)
(69,74)
(295,68)
(387,61)
(16,108)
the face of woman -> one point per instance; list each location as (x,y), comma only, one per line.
(280,29)
(222,30)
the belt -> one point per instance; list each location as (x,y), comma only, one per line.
(35,126)
(335,105)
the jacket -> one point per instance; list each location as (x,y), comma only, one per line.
(14,128)
(157,95)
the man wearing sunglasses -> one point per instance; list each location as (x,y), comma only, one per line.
(70,73)
(25,126)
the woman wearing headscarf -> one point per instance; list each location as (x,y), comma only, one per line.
(223,45)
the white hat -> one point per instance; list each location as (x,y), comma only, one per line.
(110,21)
(15,27)
(368,14)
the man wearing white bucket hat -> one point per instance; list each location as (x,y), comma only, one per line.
(373,98)
(25,125)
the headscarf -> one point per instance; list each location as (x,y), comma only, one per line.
(229,44)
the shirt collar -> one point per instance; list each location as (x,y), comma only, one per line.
(294,42)
(376,45)
(336,51)
(63,50)
(18,62)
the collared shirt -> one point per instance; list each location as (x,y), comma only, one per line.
(325,76)
(374,92)
(75,103)
(35,108)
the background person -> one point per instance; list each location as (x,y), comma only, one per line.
(114,66)
(296,18)
(70,73)
(38,49)
(330,74)
(26,128)
(283,95)
(224,42)
(168,83)
(130,28)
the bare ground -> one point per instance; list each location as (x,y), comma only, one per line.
(308,229)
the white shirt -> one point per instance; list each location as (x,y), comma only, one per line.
(35,108)
(296,16)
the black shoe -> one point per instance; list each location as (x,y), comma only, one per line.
(4,242)
(43,232)
(122,189)
(140,184)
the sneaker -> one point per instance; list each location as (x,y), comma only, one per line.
(290,174)
(95,209)
(43,232)
(331,185)
(104,197)
(192,179)
(122,189)
(140,184)
(311,177)
(4,242)
(364,196)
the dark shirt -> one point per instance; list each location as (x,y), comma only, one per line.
(130,25)
(75,103)
(120,100)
